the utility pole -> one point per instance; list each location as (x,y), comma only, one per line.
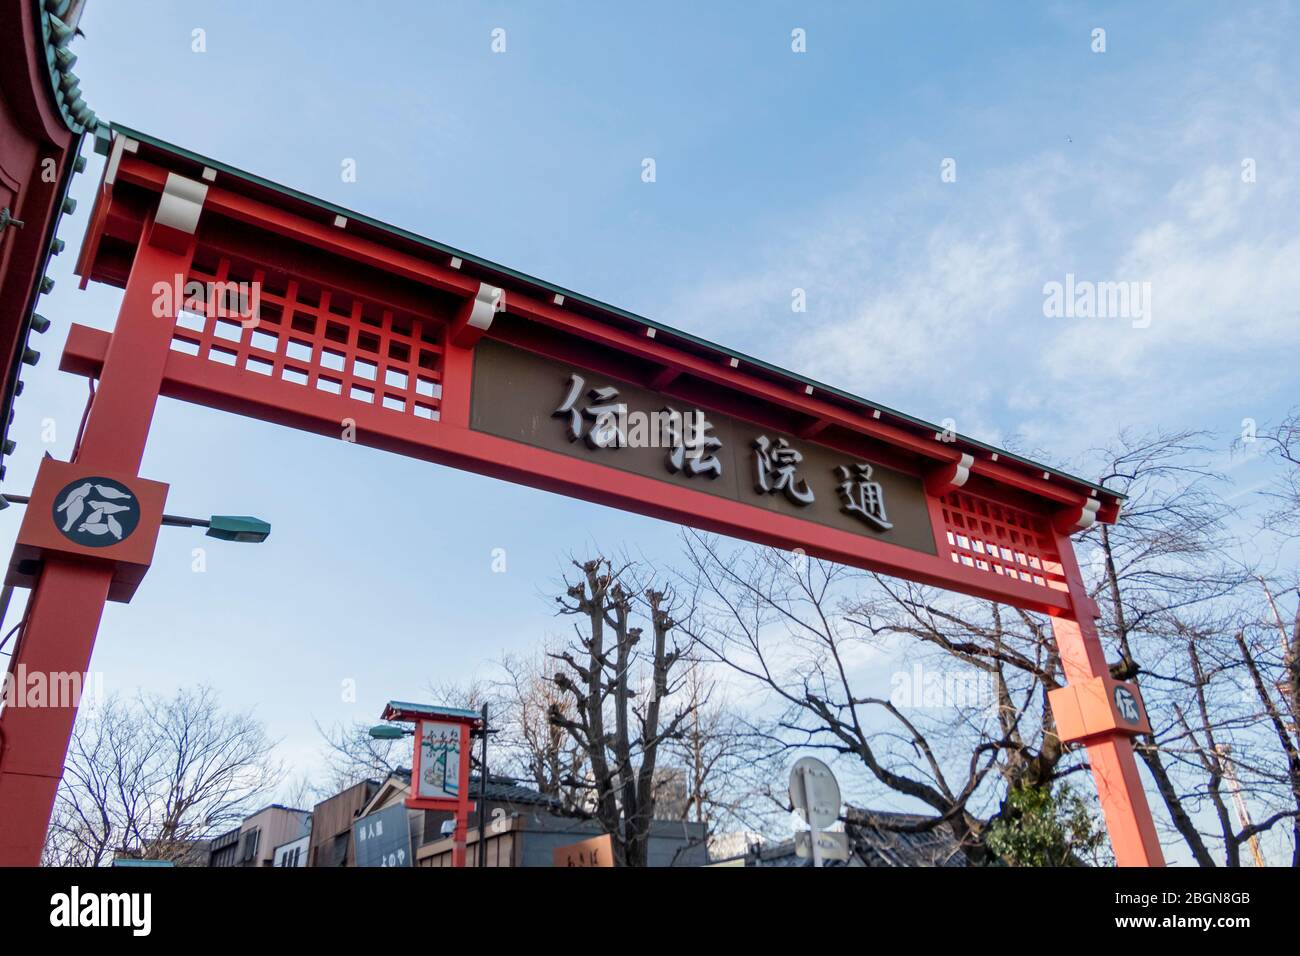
(697,774)
(482,792)
(1243,813)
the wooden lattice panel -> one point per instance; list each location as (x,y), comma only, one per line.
(993,537)
(319,339)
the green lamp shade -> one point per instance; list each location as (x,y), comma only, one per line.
(387,732)
(238,528)
(143,863)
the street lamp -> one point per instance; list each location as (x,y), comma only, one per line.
(241,528)
(238,528)
(389,732)
(226,527)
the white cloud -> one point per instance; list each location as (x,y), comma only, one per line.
(939,310)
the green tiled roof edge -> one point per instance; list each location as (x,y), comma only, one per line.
(59,60)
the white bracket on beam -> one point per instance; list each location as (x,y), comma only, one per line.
(179,207)
(121,144)
(1070,520)
(947,477)
(476,314)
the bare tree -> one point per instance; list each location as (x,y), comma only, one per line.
(618,721)
(716,754)
(1240,729)
(794,626)
(152,777)
(300,792)
(352,755)
(1282,443)
(1006,663)
(1176,607)
(531,742)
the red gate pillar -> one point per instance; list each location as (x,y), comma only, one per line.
(1084,712)
(68,599)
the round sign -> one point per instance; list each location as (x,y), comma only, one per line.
(96,512)
(815,792)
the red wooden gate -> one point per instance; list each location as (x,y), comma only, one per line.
(407,345)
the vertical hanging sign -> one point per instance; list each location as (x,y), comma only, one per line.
(439,760)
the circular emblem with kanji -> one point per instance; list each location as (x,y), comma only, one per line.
(1127,705)
(96,512)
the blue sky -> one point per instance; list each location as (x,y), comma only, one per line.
(775,171)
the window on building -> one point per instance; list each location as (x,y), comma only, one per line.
(340,854)
(248,846)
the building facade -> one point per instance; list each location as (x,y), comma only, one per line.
(224,849)
(523,828)
(332,819)
(268,829)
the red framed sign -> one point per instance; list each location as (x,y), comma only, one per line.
(440,764)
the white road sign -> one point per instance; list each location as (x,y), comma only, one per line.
(831,844)
(815,792)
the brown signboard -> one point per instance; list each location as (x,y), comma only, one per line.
(598,851)
(554,405)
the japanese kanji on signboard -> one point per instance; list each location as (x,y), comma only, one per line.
(530,398)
